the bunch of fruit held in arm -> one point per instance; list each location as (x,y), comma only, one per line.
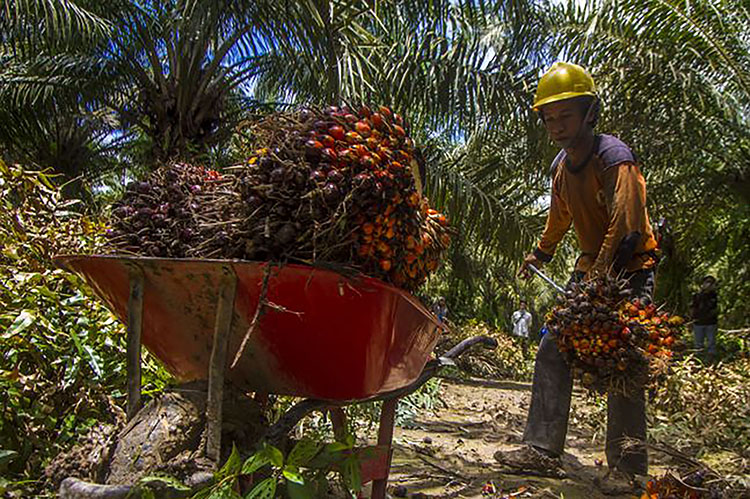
(612,343)
(336,186)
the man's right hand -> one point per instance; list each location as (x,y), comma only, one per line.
(523,270)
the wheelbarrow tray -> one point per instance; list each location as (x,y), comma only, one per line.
(322,335)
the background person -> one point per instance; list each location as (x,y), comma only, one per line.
(704,311)
(521,320)
(440,309)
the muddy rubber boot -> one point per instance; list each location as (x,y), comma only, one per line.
(530,459)
(615,482)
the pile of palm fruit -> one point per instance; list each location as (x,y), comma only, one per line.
(669,486)
(335,186)
(612,342)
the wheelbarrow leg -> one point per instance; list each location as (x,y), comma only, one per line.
(338,420)
(218,363)
(135,326)
(385,437)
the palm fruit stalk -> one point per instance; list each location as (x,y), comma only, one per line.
(612,343)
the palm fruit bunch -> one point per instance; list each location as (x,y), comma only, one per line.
(338,186)
(608,347)
(158,216)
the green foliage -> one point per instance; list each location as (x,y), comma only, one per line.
(303,473)
(62,366)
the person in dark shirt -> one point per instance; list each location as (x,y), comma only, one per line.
(705,313)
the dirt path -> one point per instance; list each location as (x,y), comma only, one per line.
(448,452)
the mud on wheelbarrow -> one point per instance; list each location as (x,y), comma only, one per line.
(289,330)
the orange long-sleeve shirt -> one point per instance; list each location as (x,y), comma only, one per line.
(605,200)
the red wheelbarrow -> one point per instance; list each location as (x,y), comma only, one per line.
(283,329)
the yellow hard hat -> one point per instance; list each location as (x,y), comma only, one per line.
(562,81)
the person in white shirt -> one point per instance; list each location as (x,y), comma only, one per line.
(521,321)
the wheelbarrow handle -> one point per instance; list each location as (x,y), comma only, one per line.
(546,279)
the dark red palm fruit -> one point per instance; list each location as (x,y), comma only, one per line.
(329,154)
(377,121)
(337,132)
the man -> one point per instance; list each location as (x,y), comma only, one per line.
(597,187)
(705,313)
(440,309)
(521,320)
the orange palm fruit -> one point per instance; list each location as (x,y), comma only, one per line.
(353,137)
(413,199)
(385,264)
(367,228)
(328,141)
(364,250)
(363,128)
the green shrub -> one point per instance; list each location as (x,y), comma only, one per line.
(62,360)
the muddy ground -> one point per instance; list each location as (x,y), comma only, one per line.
(448,452)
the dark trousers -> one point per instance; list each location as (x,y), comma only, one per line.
(547,423)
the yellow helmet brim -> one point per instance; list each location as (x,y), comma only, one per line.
(560,97)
